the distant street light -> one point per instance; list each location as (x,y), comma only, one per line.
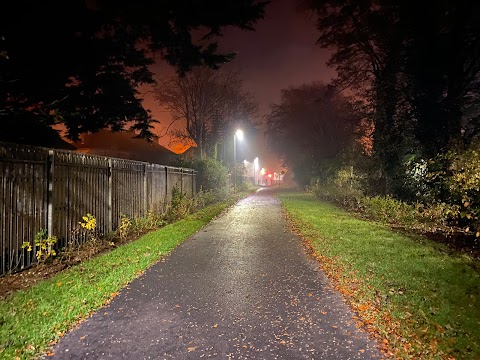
(238,135)
(255,166)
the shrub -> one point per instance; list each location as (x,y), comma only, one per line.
(212,176)
(125,227)
(439,216)
(148,222)
(342,187)
(349,198)
(464,185)
(452,178)
(424,217)
(204,198)
(180,205)
(389,210)
(43,244)
(89,226)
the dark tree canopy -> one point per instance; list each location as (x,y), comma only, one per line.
(417,60)
(312,123)
(79,63)
(416,63)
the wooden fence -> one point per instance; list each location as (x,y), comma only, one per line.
(52,189)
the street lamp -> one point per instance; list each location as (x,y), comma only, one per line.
(238,135)
(255,166)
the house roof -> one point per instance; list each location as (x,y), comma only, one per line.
(124,145)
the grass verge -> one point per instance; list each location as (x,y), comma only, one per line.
(33,319)
(419,301)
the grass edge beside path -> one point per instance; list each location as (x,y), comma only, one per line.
(416,299)
(31,320)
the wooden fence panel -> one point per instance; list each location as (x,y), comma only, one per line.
(22,202)
(128,189)
(156,188)
(53,189)
(175,179)
(80,187)
(188,182)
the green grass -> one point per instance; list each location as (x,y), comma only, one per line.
(420,301)
(30,320)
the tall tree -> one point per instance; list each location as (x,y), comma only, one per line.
(79,62)
(208,101)
(417,63)
(311,123)
(442,62)
(366,38)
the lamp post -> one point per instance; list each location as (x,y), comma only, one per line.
(255,166)
(262,174)
(238,134)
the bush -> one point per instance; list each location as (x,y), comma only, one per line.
(212,176)
(204,198)
(432,217)
(43,244)
(148,222)
(347,197)
(452,178)
(182,205)
(179,207)
(464,185)
(342,186)
(389,210)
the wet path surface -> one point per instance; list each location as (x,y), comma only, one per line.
(241,288)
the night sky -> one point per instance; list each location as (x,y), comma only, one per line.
(280,52)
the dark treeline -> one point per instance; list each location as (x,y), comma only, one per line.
(80,63)
(414,67)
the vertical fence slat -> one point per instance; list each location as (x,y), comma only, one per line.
(3,209)
(109,196)
(50,172)
(144,207)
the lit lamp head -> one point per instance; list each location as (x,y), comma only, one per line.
(239,134)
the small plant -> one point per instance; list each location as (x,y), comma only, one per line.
(153,220)
(180,206)
(43,244)
(90,222)
(125,227)
(90,226)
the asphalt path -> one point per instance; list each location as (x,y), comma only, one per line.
(241,288)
